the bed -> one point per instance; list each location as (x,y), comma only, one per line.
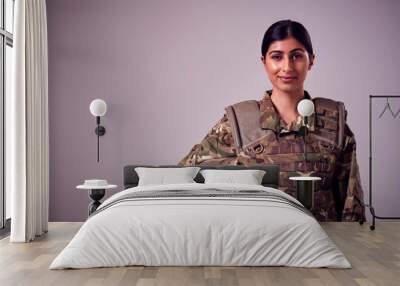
(201,224)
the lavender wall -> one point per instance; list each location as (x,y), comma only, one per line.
(167,69)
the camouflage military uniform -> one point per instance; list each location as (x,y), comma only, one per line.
(338,195)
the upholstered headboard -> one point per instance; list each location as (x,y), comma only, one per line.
(270,179)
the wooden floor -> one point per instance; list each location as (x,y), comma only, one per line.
(374,255)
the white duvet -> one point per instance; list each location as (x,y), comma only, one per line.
(200,231)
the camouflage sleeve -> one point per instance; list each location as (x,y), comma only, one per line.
(217,148)
(349,182)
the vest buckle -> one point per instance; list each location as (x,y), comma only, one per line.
(258,149)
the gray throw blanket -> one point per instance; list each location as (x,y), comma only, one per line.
(206,194)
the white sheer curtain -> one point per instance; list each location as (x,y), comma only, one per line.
(27,121)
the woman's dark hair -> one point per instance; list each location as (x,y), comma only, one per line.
(285,29)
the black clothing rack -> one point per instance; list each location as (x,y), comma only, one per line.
(371,208)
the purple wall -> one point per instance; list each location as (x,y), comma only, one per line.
(167,69)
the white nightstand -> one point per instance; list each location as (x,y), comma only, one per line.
(305,190)
(97,189)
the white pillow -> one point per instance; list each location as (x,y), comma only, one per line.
(248,177)
(162,176)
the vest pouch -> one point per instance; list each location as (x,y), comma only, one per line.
(325,144)
(257,146)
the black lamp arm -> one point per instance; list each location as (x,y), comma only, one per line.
(305,138)
(100,131)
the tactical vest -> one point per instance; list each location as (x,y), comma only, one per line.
(324,144)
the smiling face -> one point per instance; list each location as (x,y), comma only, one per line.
(287,63)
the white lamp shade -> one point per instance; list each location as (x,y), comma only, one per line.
(305,107)
(98,107)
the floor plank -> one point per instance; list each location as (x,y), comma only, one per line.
(374,255)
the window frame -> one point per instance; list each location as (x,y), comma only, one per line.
(6,39)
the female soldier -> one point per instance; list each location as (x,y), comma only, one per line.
(267,131)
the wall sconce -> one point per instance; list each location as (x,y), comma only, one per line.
(98,108)
(305,183)
(305,109)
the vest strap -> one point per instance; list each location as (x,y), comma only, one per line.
(244,118)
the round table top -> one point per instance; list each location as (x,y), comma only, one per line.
(305,178)
(86,187)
